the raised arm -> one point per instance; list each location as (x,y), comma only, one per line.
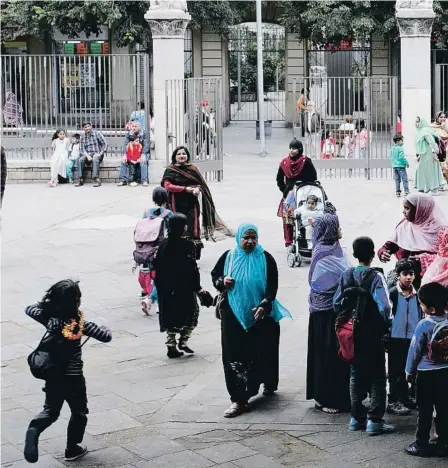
(102,333)
(35,312)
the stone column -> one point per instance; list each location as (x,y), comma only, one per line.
(415,20)
(168,21)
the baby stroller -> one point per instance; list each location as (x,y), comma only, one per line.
(300,250)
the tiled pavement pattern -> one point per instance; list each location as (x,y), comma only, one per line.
(147,411)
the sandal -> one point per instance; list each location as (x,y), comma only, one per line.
(416,451)
(326,410)
(235,409)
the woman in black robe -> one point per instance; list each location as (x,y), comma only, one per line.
(178,284)
(185,185)
(250,333)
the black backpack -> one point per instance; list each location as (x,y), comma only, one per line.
(359,312)
(50,359)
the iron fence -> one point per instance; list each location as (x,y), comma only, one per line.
(41,93)
(194,118)
(441,87)
(349,123)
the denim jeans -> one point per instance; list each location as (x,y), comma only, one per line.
(71,389)
(400,175)
(143,170)
(363,381)
(127,172)
(96,161)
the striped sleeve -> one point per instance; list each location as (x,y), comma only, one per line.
(35,312)
(102,333)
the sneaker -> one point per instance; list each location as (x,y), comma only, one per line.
(80,183)
(97,183)
(376,428)
(145,184)
(416,451)
(133,184)
(122,183)
(398,194)
(173,352)
(356,425)
(441,188)
(31,451)
(71,181)
(77,452)
(406,193)
(184,347)
(146,305)
(398,409)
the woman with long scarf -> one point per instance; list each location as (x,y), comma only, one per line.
(435,266)
(441,126)
(296,167)
(178,284)
(250,332)
(428,176)
(327,378)
(186,186)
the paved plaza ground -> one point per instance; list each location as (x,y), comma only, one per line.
(147,411)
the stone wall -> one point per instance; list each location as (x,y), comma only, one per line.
(38,171)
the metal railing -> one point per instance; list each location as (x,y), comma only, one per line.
(195,119)
(349,125)
(441,87)
(41,93)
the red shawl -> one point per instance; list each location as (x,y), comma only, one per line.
(293,167)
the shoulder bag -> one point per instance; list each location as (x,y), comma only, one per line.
(220,298)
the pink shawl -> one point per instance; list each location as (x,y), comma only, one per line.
(437,271)
(420,235)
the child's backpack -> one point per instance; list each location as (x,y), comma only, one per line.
(148,235)
(438,345)
(358,321)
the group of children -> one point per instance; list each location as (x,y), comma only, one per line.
(412,327)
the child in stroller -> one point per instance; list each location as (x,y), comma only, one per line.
(311,201)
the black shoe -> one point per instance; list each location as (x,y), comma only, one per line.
(173,352)
(77,452)
(31,451)
(80,183)
(186,349)
(416,451)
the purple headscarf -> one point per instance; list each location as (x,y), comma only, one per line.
(327,263)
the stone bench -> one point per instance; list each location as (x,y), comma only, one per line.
(38,170)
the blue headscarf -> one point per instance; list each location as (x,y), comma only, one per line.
(249,270)
(327,264)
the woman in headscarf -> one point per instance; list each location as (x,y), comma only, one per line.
(417,232)
(185,184)
(296,167)
(428,176)
(435,266)
(441,126)
(248,278)
(178,285)
(327,378)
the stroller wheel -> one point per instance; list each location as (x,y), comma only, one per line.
(291,260)
(299,260)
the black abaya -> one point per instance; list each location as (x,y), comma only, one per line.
(327,376)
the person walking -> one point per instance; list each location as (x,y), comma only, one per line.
(327,376)
(247,277)
(294,168)
(428,176)
(302,109)
(59,313)
(399,165)
(178,283)
(93,146)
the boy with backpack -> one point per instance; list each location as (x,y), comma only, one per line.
(406,313)
(58,361)
(363,315)
(428,359)
(149,233)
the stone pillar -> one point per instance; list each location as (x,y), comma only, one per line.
(415,19)
(168,21)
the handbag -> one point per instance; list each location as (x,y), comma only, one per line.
(51,357)
(220,298)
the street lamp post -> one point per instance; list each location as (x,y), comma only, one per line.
(260,79)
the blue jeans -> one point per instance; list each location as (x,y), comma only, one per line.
(70,165)
(400,175)
(143,170)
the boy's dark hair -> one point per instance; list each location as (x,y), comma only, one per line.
(363,249)
(404,266)
(312,197)
(398,138)
(77,136)
(160,196)
(85,123)
(434,295)
(62,300)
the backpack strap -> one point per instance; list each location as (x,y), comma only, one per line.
(350,277)
(393,296)
(367,282)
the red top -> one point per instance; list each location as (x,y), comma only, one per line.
(134,152)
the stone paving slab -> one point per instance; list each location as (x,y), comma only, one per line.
(150,412)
